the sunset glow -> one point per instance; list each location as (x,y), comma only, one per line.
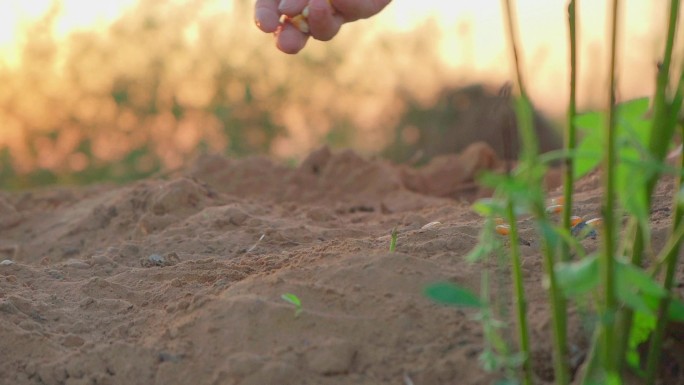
(472,36)
(166,78)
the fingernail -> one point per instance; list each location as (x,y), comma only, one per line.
(285,5)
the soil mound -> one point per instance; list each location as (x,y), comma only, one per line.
(178,281)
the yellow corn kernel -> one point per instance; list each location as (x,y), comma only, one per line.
(557,201)
(554,209)
(575,220)
(503,229)
(300,22)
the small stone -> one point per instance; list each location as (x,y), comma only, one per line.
(6,262)
(430,225)
(158,260)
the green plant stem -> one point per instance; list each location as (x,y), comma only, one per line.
(393,240)
(521,304)
(608,354)
(558,309)
(512,35)
(560,303)
(533,176)
(664,122)
(662,131)
(655,346)
(570,131)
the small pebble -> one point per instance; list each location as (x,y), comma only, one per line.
(6,262)
(160,260)
(431,224)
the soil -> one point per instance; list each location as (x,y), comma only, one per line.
(178,279)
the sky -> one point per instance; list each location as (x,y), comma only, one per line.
(472,41)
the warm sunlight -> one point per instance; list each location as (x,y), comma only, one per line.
(164,79)
(472,35)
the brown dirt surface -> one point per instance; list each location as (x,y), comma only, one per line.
(178,280)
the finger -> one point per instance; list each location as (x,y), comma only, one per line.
(358,9)
(266,15)
(292,7)
(323,23)
(289,39)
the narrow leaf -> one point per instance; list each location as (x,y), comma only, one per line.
(577,278)
(448,293)
(291,298)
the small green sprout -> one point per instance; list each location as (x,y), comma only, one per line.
(293,299)
(393,242)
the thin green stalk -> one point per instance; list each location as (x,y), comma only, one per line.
(609,307)
(512,35)
(521,304)
(561,312)
(524,110)
(662,132)
(655,347)
(529,159)
(570,131)
(558,310)
(664,122)
(528,153)
(393,240)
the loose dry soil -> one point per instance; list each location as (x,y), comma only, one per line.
(177,280)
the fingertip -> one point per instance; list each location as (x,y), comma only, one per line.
(290,40)
(323,22)
(266,19)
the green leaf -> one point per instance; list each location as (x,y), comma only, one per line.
(676,310)
(590,149)
(639,279)
(634,109)
(632,132)
(642,327)
(636,289)
(488,360)
(613,378)
(393,240)
(448,293)
(487,207)
(632,299)
(577,278)
(291,298)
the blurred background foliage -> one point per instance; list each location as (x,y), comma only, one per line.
(170,80)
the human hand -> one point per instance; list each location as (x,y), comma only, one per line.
(324,19)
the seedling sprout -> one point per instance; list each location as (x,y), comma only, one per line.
(293,299)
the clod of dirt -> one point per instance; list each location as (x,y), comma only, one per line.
(158,260)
